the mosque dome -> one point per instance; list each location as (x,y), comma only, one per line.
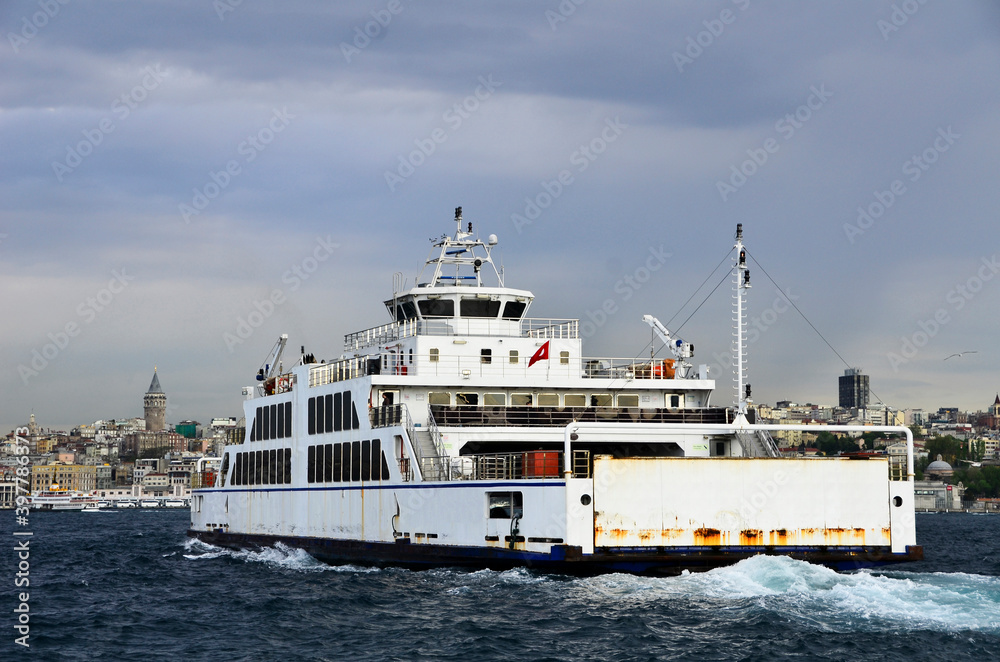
(939,467)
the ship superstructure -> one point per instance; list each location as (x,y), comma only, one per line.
(465,433)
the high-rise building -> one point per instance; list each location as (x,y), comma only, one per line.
(854,389)
(155,406)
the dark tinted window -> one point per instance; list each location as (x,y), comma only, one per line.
(480,308)
(437,307)
(513,310)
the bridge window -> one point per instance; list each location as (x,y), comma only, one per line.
(486,356)
(437,307)
(479,308)
(513,310)
(404,311)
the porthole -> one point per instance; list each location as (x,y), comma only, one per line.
(585,499)
(897,501)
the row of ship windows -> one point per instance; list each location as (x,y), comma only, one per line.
(546,399)
(468,307)
(272,422)
(264,467)
(332,412)
(486,356)
(346,462)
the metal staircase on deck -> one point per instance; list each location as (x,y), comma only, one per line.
(757,443)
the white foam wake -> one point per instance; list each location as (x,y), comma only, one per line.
(829,600)
(280,555)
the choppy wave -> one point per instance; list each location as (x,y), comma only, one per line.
(279,555)
(828,600)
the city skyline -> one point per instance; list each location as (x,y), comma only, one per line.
(185,183)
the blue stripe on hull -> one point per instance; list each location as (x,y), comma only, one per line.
(562,558)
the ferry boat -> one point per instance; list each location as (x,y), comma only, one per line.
(56,498)
(464,433)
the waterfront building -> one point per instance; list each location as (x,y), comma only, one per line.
(8,492)
(72,477)
(936,495)
(854,389)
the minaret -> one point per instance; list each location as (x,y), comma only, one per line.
(154,405)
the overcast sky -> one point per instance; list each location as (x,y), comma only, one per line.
(167,166)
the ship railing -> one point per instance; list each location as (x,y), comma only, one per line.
(436,438)
(379,335)
(550,328)
(200,479)
(435,468)
(515,365)
(337,371)
(531,327)
(389,416)
(525,465)
(404,469)
(628,368)
(897,467)
(475,416)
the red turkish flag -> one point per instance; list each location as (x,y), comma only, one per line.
(541,355)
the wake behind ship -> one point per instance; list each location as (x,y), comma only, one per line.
(464,433)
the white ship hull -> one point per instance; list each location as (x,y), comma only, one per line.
(436,441)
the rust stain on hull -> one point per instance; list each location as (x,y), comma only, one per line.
(712,537)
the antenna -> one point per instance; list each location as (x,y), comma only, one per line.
(742,282)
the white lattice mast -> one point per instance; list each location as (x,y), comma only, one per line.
(742,282)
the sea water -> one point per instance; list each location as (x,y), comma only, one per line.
(128,585)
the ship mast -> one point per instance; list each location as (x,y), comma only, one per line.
(742,283)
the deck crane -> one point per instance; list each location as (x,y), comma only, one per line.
(680,349)
(271,367)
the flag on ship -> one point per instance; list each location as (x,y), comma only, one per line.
(541,355)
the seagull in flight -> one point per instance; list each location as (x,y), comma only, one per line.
(971,351)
